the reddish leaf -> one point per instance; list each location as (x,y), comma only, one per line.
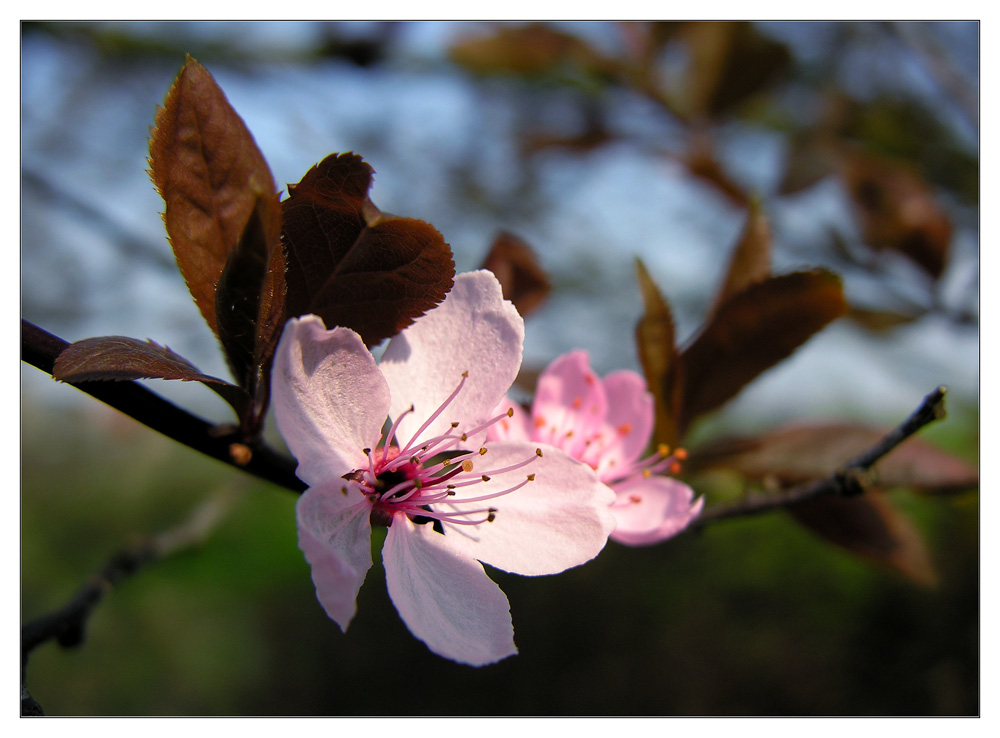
(352,265)
(870,527)
(210,173)
(897,210)
(751,259)
(117,358)
(516,267)
(752,331)
(801,453)
(654,337)
(250,296)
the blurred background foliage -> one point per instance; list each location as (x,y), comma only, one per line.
(596,143)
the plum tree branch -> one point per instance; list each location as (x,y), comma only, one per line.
(850,480)
(67,624)
(40,349)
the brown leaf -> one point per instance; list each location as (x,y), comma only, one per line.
(870,527)
(701,162)
(730,61)
(531,50)
(210,173)
(752,331)
(250,295)
(897,209)
(806,163)
(353,265)
(796,454)
(118,358)
(654,337)
(516,267)
(751,259)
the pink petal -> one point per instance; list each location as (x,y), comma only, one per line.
(444,597)
(569,404)
(518,427)
(560,520)
(628,424)
(650,510)
(335,536)
(474,330)
(330,399)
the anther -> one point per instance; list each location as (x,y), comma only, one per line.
(663,449)
(466,466)
(485,478)
(681,454)
(538,452)
(482,451)
(531,477)
(510,412)
(491,515)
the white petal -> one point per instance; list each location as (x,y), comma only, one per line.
(444,597)
(330,399)
(474,330)
(335,536)
(559,520)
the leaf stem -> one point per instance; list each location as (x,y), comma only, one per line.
(40,349)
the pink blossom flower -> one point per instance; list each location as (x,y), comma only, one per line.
(607,425)
(449,498)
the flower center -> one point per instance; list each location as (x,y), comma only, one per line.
(426,479)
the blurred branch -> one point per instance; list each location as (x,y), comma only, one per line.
(67,625)
(849,481)
(40,349)
(941,67)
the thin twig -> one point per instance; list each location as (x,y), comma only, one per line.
(40,349)
(849,481)
(67,625)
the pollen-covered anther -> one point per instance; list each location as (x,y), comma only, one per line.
(538,452)
(510,412)
(663,450)
(681,454)
(466,466)
(675,468)
(531,477)
(482,451)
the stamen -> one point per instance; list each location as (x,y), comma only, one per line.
(434,416)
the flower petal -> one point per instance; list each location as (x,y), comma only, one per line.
(628,424)
(335,536)
(559,520)
(650,510)
(444,597)
(569,404)
(518,427)
(330,400)
(474,330)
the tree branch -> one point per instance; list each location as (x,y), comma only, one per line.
(850,480)
(67,625)
(40,349)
